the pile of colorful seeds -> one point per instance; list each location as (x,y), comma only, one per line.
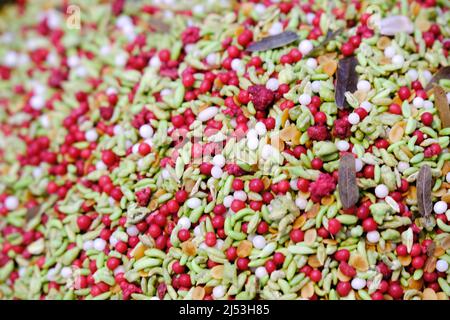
(149,151)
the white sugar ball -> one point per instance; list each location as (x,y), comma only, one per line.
(252,143)
(381,191)
(216,172)
(219,244)
(272,84)
(260,8)
(218,292)
(312,63)
(198,232)
(259,242)
(236,64)
(11,203)
(66,272)
(212,59)
(373,236)
(154,62)
(240,195)
(37,102)
(113,241)
(228,200)
(358,165)
(184,223)
(165,174)
(402,166)
(398,60)
(353,118)
(315,86)
(146,131)
(363,85)
(132,231)
(418,102)
(260,272)
(37,172)
(193,203)
(342,145)
(366,105)
(305,47)
(389,52)
(304,99)
(266,151)
(427,104)
(448,97)
(120,60)
(260,128)
(276,28)
(358,283)
(219,160)
(412,74)
(91,135)
(99,244)
(252,133)
(427,75)
(301,203)
(440,207)
(447,177)
(441,265)
(293,184)
(88,245)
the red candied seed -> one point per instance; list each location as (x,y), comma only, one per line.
(323,186)
(318,133)
(261,97)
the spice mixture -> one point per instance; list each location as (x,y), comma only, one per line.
(225,150)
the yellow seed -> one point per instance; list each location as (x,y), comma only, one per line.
(244,248)
(189,248)
(415,284)
(358,262)
(139,251)
(307,291)
(429,294)
(299,222)
(217,272)
(314,262)
(397,131)
(198,293)
(328,200)
(441,296)
(383,42)
(330,67)
(310,236)
(342,277)
(404,260)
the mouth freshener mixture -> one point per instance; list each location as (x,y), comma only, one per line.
(225,150)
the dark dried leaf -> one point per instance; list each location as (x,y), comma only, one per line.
(443,73)
(441,101)
(331,35)
(32,212)
(348,188)
(424,185)
(346,79)
(273,42)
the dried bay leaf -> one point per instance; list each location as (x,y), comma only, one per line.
(424,185)
(348,188)
(331,35)
(442,106)
(443,73)
(346,79)
(272,42)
